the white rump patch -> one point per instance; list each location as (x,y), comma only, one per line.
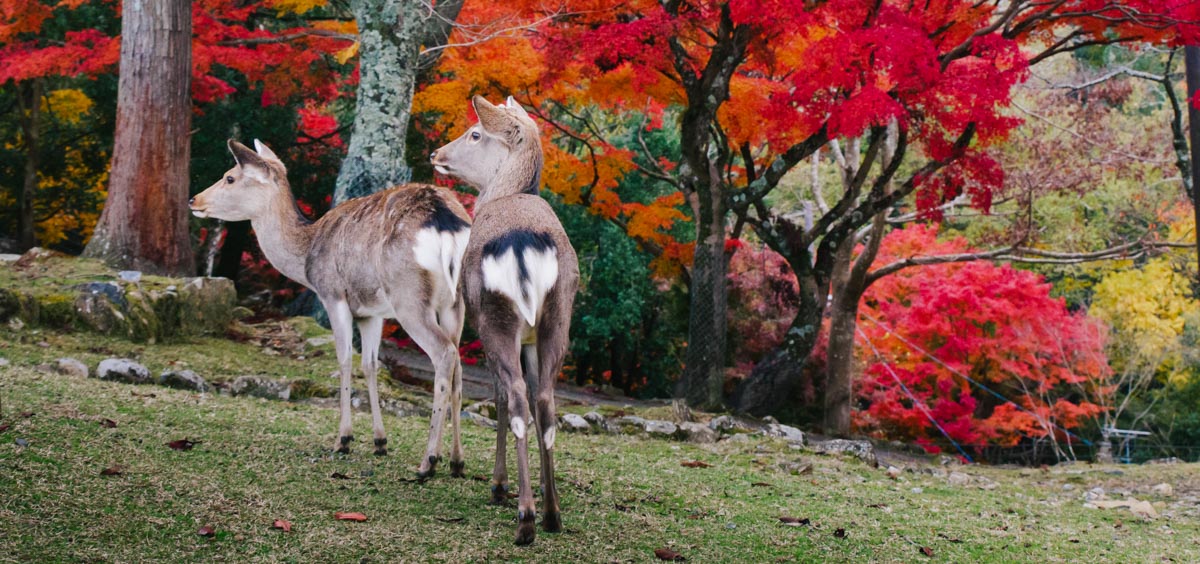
(502,274)
(548,437)
(518,427)
(442,252)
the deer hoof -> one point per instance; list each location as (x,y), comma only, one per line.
(380,447)
(423,475)
(343,444)
(499,495)
(526,531)
(552,522)
(457,469)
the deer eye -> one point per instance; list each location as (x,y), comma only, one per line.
(229,179)
(474,135)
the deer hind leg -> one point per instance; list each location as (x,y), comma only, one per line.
(550,357)
(421,325)
(500,471)
(370,330)
(451,321)
(341,320)
(504,356)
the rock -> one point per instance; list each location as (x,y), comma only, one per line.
(594,418)
(1068,487)
(479,419)
(661,429)
(260,387)
(401,408)
(628,424)
(1094,494)
(1163,489)
(789,434)
(319,341)
(893,472)
(917,490)
(958,479)
(1168,460)
(727,424)
(207,304)
(9,257)
(862,450)
(738,438)
(4,362)
(1140,508)
(183,380)
(122,370)
(486,408)
(71,367)
(795,467)
(697,433)
(575,423)
(133,276)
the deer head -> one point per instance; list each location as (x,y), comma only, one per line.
(502,148)
(248,189)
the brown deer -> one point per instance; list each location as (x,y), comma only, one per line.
(394,254)
(520,278)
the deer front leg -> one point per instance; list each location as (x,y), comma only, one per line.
(341,321)
(370,331)
(500,472)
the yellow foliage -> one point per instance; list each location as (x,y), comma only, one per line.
(295,6)
(1145,309)
(347,53)
(68,104)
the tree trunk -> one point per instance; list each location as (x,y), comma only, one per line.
(1191,60)
(30,99)
(843,322)
(704,370)
(390,33)
(144,225)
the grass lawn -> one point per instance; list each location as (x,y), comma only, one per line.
(622,497)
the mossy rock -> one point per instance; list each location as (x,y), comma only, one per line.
(304,388)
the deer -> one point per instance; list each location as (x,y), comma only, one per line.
(393,254)
(520,276)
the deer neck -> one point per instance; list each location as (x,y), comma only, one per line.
(521,174)
(285,236)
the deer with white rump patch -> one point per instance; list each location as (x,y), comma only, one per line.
(520,278)
(394,254)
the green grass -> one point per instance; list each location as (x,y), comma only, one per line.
(622,497)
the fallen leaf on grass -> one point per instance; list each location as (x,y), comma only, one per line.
(207,531)
(114,470)
(449,519)
(761,485)
(3,427)
(840,533)
(26,414)
(344,516)
(339,476)
(108,423)
(1139,508)
(695,464)
(927,551)
(794,521)
(21,442)
(620,507)
(182,444)
(282,525)
(669,555)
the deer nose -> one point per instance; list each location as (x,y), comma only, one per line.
(433,156)
(191,201)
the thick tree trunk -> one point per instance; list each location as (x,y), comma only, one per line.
(30,99)
(390,34)
(144,225)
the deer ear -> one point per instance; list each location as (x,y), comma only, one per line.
(492,118)
(252,164)
(264,151)
(512,104)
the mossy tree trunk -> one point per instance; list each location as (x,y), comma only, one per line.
(144,225)
(391,34)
